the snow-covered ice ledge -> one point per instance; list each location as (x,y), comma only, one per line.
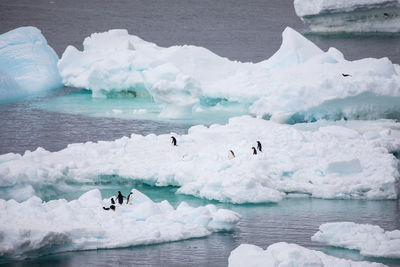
(300,82)
(370,240)
(350,15)
(344,159)
(284,254)
(33,227)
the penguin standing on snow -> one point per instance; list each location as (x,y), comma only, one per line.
(254,150)
(128,198)
(120,198)
(112,201)
(231,155)
(173,140)
(259,146)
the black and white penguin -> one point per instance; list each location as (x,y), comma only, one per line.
(120,198)
(173,140)
(345,75)
(231,155)
(128,198)
(254,150)
(112,207)
(259,146)
(112,201)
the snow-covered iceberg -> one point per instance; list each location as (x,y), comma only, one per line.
(370,240)
(27,64)
(284,254)
(350,15)
(300,82)
(33,227)
(344,159)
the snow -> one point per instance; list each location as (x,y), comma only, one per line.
(284,254)
(350,15)
(307,7)
(37,227)
(27,64)
(370,240)
(300,82)
(332,160)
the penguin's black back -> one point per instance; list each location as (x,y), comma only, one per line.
(254,150)
(259,146)
(173,140)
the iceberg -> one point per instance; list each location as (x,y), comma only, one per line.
(350,15)
(33,227)
(370,240)
(28,64)
(330,160)
(300,82)
(284,254)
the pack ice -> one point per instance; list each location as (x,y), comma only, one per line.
(346,159)
(300,82)
(370,240)
(34,227)
(284,254)
(27,64)
(350,15)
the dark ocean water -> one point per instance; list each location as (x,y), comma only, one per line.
(239,30)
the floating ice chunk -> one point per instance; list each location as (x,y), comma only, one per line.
(324,159)
(27,64)
(284,254)
(34,227)
(370,240)
(9,89)
(350,15)
(300,82)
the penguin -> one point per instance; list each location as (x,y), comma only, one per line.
(173,140)
(112,207)
(120,198)
(128,198)
(231,155)
(112,201)
(259,146)
(254,150)
(345,75)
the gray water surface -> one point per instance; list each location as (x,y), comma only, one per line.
(240,30)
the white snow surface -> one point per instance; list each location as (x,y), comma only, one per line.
(41,227)
(370,240)
(314,7)
(333,160)
(27,63)
(298,78)
(284,254)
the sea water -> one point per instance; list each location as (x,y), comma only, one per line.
(245,31)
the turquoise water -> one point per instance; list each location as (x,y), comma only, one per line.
(127,107)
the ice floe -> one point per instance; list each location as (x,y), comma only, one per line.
(35,227)
(350,15)
(370,240)
(284,254)
(27,64)
(344,160)
(300,82)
